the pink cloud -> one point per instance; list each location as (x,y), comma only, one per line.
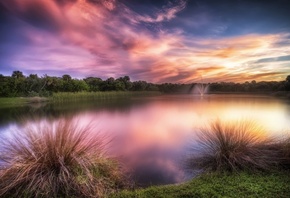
(106,38)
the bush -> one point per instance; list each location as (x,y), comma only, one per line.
(233,146)
(59,160)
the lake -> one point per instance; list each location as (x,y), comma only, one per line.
(155,134)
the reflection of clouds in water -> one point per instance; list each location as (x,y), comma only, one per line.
(273,118)
(150,138)
(153,138)
(5,132)
(154,172)
(150,141)
(155,165)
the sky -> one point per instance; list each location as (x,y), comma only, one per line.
(161,41)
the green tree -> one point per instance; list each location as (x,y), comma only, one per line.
(79,85)
(5,89)
(126,81)
(67,84)
(139,85)
(119,85)
(287,84)
(17,74)
(17,84)
(33,85)
(94,83)
(109,84)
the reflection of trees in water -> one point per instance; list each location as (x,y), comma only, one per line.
(53,111)
(288,108)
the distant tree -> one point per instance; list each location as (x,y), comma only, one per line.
(79,85)
(67,83)
(17,74)
(151,87)
(94,83)
(108,85)
(5,89)
(17,83)
(139,85)
(126,81)
(52,84)
(66,77)
(287,84)
(33,85)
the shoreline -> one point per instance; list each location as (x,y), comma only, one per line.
(242,184)
(91,96)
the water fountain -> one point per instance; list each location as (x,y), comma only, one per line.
(200,89)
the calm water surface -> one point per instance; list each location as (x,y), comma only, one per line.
(155,134)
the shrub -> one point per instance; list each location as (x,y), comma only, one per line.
(232,146)
(58,160)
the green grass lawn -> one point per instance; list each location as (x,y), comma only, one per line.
(221,185)
(15,101)
(75,97)
(20,101)
(100,95)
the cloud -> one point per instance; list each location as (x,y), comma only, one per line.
(41,14)
(106,38)
(167,13)
(273,60)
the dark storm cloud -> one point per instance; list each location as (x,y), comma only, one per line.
(36,13)
(235,17)
(11,28)
(11,37)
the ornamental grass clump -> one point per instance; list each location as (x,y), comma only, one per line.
(58,160)
(283,147)
(233,146)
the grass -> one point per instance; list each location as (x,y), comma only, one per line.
(282,147)
(65,160)
(62,97)
(11,102)
(70,96)
(20,101)
(240,162)
(59,160)
(275,184)
(234,146)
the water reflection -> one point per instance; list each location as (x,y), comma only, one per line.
(153,135)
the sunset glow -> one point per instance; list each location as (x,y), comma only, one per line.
(168,41)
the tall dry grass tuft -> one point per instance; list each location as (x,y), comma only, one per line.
(232,146)
(59,160)
(283,147)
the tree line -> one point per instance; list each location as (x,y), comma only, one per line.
(32,85)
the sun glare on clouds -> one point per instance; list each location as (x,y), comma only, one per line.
(110,36)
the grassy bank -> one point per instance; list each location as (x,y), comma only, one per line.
(62,97)
(274,184)
(10,102)
(20,101)
(80,96)
(62,159)
(238,161)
